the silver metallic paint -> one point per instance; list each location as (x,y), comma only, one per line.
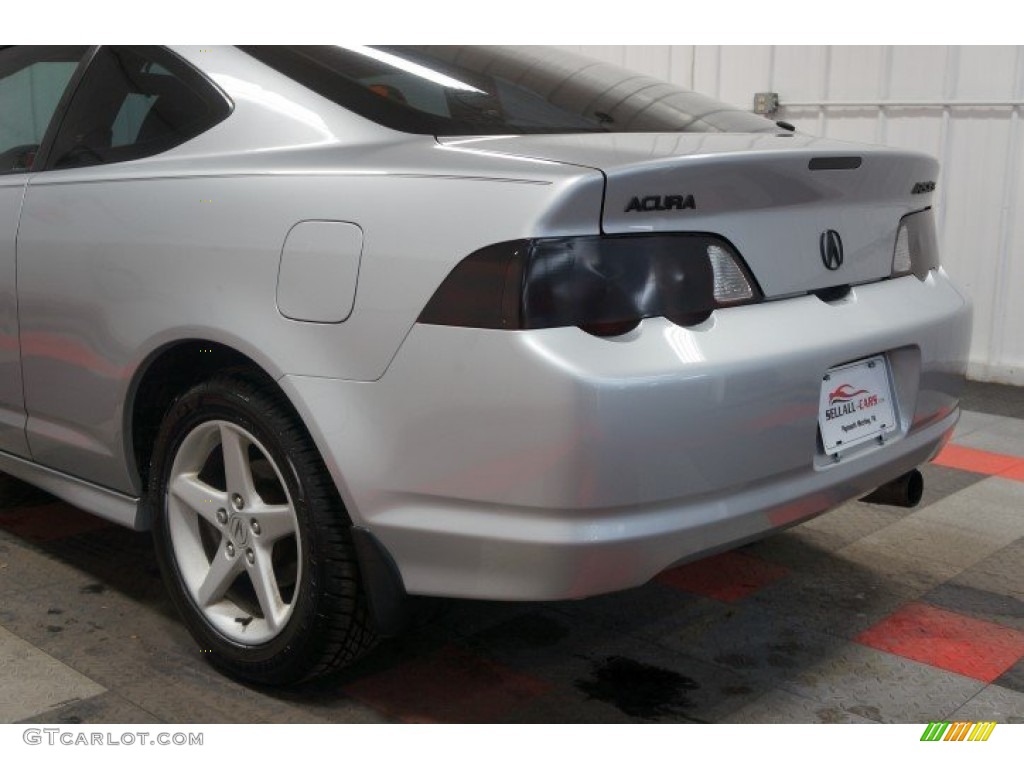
(12,399)
(518,465)
(319,270)
(117,507)
(112,270)
(756,190)
(485,457)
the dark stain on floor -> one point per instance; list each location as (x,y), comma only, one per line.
(93,589)
(736,690)
(736,660)
(638,689)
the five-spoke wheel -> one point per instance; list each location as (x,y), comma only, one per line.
(233,531)
(251,535)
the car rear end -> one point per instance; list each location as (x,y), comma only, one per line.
(756,330)
(554,462)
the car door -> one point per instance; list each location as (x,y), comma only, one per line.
(87,258)
(33,82)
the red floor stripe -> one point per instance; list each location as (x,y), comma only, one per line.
(978,649)
(729,577)
(1016,472)
(982,462)
(451,686)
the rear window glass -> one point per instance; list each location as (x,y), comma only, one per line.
(491,90)
(134,102)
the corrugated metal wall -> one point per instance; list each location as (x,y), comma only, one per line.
(954,102)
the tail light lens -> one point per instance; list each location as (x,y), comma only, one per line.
(604,285)
(917,248)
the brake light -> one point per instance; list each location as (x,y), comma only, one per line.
(604,285)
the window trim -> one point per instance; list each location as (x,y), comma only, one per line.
(46,163)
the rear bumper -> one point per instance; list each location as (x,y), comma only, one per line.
(552,464)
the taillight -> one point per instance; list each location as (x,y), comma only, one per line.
(917,249)
(604,285)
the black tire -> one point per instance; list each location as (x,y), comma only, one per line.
(328,624)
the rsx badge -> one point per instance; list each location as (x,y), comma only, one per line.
(661,203)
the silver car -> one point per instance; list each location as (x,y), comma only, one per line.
(345,325)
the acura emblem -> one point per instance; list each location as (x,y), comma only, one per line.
(831,249)
(236,527)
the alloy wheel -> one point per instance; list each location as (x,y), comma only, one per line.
(233,532)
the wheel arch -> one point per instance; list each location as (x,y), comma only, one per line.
(172,369)
(164,374)
(323,620)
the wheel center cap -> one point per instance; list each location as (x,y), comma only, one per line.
(238,530)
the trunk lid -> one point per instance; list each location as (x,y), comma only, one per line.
(774,197)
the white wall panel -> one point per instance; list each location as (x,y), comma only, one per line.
(851,124)
(986,72)
(855,73)
(804,69)
(916,129)
(681,58)
(917,72)
(980,203)
(707,61)
(742,67)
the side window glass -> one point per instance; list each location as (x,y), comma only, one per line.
(133,102)
(32,81)
(129,120)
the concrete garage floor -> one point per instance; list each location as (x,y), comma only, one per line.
(865,614)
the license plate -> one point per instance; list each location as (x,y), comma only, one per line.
(856,404)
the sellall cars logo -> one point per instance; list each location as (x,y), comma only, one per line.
(959,731)
(844,400)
